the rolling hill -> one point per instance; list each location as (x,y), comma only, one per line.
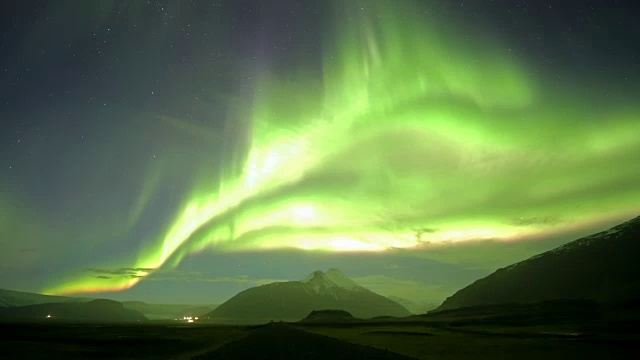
(10,298)
(95,310)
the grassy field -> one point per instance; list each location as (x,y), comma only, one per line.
(380,340)
(442,341)
(112,341)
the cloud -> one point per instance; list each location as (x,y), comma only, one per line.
(243,280)
(128,273)
(196,276)
(239,280)
(176,271)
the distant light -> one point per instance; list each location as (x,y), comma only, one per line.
(190,320)
(196,318)
(48,316)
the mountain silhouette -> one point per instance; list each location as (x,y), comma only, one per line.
(168,311)
(10,298)
(603,267)
(95,310)
(294,300)
(413,306)
(329,316)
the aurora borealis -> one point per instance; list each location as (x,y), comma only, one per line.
(388,129)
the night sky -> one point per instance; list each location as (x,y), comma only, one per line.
(182,151)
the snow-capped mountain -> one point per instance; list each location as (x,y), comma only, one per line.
(294,300)
(321,282)
(603,267)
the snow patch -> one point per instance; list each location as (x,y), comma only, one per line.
(327,283)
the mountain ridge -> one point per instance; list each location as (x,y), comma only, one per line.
(12,298)
(602,267)
(101,310)
(153,311)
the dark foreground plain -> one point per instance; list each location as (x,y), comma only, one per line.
(444,336)
(46,340)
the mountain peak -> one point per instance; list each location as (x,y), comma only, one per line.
(314,275)
(327,291)
(332,278)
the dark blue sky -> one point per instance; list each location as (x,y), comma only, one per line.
(97,98)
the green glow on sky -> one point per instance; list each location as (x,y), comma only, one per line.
(413,136)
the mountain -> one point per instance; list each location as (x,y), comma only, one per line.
(603,267)
(294,300)
(413,306)
(167,311)
(10,298)
(95,310)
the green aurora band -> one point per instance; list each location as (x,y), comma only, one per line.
(413,137)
